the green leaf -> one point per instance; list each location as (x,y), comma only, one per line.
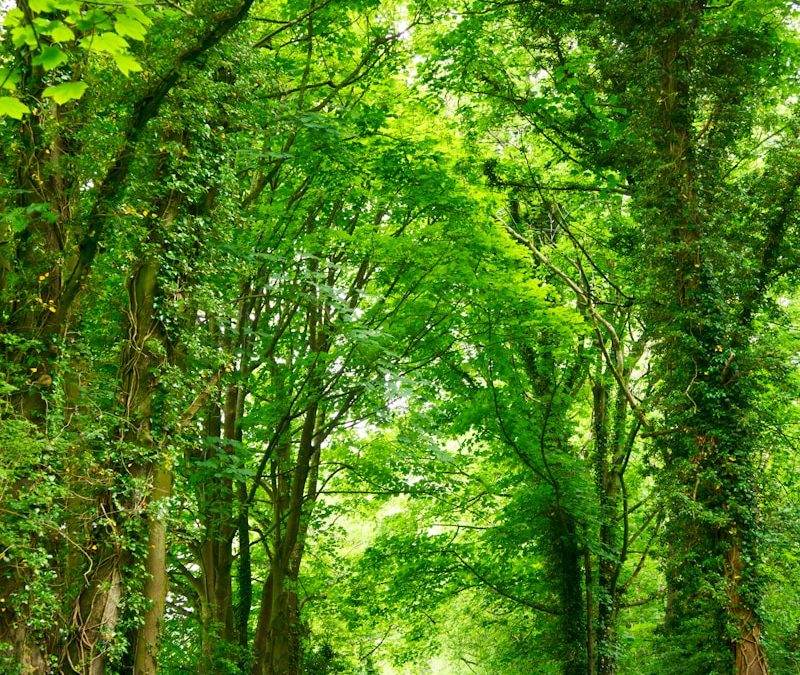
(138,15)
(13,18)
(68,91)
(62,33)
(126,63)
(93,19)
(24,35)
(125,25)
(39,6)
(9,77)
(13,107)
(50,58)
(109,43)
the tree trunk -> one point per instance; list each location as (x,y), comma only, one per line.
(568,574)
(23,652)
(712,460)
(216,503)
(261,636)
(37,252)
(155,568)
(284,637)
(605,564)
(97,612)
(748,653)
(277,644)
(610,455)
(99,605)
(590,633)
(244,577)
(750,658)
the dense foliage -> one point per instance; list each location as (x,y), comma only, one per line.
(416,337)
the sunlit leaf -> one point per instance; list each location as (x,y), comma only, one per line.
(24,35)
(42,5)
(129,27)
(109,43)
(68,91)
(13,107)
(137,14)
(9,77)
(13,18)
(62,33)
(126,63)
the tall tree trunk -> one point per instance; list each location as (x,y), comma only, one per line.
(569,571)
(609,460)
(244,574)
(590,631)
(605,563)
(277,642)
(216,502)
(712,461)
(284,635)
(31,267)
(97,611)
(99,605)
(155,569)
(261,636)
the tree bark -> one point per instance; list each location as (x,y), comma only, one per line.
(610,455)
(216,505)
(155,569)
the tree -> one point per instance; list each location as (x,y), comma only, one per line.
(277,274)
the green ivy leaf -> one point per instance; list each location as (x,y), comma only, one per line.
(68,91)
(50,58)
(129,27)
(13,107)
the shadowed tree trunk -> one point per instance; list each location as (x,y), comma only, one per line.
(713,459)
(216,499)
(277,637)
